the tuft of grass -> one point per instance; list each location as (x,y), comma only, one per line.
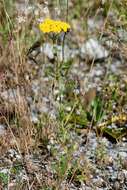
(4,179)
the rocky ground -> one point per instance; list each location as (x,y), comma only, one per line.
(49,137)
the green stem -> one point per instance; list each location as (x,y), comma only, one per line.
(67,11)
(63,43)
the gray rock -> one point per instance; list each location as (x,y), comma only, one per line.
(34,118)
(2,129)
(98,182)
(122,34)
(5,171)
(49,50)
(94,50)
(95,23)
(116,185)
(121,177)
(123,154)
(125,174)
(9,95)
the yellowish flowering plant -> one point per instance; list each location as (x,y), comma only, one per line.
(55,26)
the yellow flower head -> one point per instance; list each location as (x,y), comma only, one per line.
(55,26)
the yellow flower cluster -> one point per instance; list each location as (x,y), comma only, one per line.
(55,26)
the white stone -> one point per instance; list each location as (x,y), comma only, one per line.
(5,171)
(93,49)
(68,108)
(48,49)
(34,118)
(9,95)
(2,129)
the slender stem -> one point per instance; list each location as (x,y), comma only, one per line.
(63,43)
(67,11)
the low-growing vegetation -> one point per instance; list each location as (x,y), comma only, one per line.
(63,95)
